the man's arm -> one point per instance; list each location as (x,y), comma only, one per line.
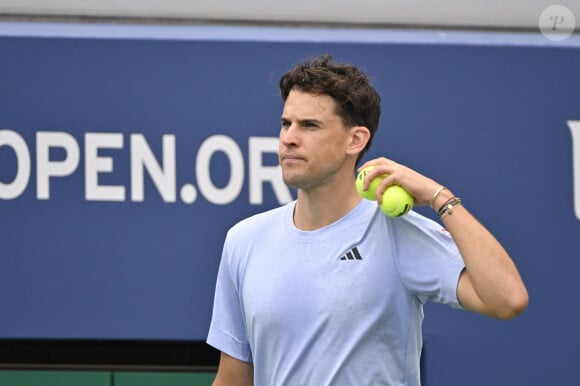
(490,283)
(234,372)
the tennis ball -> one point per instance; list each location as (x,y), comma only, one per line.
(369,194)
(396,201)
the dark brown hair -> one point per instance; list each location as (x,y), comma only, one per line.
(358,101)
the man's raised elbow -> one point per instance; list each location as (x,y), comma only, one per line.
(515,305)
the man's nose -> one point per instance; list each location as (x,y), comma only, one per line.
(290,135)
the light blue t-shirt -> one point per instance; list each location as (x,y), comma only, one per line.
(341,305)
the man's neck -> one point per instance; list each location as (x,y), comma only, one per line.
(324,205)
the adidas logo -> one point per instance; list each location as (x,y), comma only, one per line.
(353,254)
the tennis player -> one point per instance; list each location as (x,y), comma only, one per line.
(328,290)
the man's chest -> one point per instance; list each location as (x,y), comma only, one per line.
(303,284)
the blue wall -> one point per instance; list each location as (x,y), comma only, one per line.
(84,258)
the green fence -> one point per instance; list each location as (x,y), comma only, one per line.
(102,378)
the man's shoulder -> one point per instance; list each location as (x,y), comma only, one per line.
(260,222)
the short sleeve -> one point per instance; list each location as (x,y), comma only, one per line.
(428,260)
(227,331)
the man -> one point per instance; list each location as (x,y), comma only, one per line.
(289,311)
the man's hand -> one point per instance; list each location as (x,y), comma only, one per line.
(419,186)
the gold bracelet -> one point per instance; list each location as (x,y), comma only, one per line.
(435,195)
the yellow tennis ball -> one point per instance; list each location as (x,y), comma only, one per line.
(369,194)
(396,201)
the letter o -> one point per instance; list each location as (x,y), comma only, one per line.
(229,147)
(18,185)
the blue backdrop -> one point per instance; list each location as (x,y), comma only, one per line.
(142,153)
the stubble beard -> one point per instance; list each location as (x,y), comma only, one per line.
(306,180)
(293,181)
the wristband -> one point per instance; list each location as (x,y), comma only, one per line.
(447,208)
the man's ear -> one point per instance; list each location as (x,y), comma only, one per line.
(359,137)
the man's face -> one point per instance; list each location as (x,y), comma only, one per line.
(313,140)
